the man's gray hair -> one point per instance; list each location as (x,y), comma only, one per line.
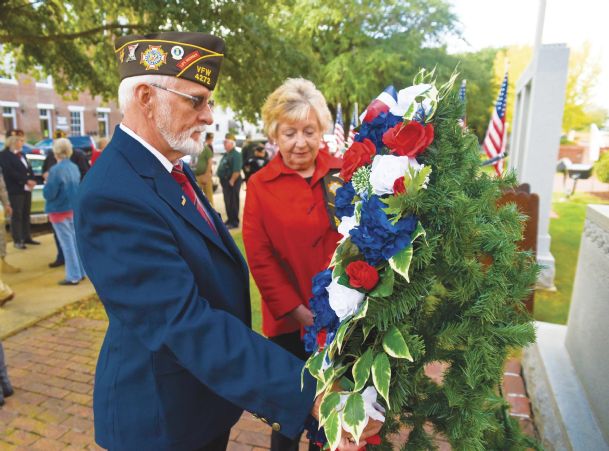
(127,87)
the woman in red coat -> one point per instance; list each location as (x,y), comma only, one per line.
(287,231)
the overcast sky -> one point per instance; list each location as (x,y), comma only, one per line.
(495,23)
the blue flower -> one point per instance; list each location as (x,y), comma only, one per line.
(344,199)
(375,129)
(325,318)
(376,237)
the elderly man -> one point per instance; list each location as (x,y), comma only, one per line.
(179,362)
(229,173)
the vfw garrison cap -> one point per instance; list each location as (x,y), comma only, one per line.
(192,56)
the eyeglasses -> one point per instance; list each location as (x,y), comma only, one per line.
(198,103)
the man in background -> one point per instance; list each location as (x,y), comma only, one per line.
(203,168)
(229,173)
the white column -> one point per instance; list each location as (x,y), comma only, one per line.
(537,123)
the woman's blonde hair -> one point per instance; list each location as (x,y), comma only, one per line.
(11,141)
(292,101)
(62,148)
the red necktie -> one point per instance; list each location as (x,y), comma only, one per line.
(178,174)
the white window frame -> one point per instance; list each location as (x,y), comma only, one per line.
(48,83)
(13,106)
(81,110)
(106,112)
(48,108)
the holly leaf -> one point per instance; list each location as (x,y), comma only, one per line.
(385,287)
(395,345)
(332,430)
(361,369)
(366,330)
(354,415)
(400,262)
(328,405)
(381,375)
(361,311)
(419,231)
(315,363)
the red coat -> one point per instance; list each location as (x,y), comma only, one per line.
(288,238)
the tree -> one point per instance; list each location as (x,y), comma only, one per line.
(582,77)
(73,42)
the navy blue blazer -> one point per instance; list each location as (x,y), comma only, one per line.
(179,362)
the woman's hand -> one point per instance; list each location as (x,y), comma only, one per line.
(303,315)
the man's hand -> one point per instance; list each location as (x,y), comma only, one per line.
(8,211)
(31,183)
(347,442)
(303,315)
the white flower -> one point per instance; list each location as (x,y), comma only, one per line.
(386,169)
(373,409)
(347,223)
(406,96)
(343,300)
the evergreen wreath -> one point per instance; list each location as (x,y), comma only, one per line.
(428,271)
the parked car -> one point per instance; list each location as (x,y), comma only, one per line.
(82,142)
(37,214)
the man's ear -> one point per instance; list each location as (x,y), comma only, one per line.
(143,96)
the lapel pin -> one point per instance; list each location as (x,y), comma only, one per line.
(183,201)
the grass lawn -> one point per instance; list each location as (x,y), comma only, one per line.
(566,231)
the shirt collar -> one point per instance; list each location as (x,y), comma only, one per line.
(162,158)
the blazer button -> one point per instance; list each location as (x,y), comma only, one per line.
(276,427)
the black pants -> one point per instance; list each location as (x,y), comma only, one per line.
(231,200)
(290,342)
(20,220)
(218,444)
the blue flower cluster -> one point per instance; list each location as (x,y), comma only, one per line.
(344,199)
(376,237)
(325,318)
(375,129)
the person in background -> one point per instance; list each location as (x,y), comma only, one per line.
(78,158)
(6,267)
(101,145)
(20,181)
(247,150)
(60,194)
(229,173)
(256,162)
(203,168)
(6,389)
(288,234)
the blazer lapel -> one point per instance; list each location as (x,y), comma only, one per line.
(227,239)
(171,192)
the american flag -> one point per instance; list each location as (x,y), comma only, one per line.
(462,93)
(352,126)
(496,134)
(339,131)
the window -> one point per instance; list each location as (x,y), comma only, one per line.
(46,122)
(77,123)
(44,81)
(103,124)
(9,117)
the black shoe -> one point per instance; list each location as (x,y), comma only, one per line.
(19,245)
(56,264)
(68,282)
(30,241)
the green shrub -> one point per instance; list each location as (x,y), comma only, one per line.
(601,168)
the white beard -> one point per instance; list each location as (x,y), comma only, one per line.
(182,142)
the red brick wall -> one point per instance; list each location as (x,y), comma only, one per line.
(29,94)
(572,152)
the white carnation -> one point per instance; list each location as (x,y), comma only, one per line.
(408,95)
(386,169)
(343,300)
(347,223)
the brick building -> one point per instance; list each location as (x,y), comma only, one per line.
(34,106)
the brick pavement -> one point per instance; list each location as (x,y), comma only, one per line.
(52,364)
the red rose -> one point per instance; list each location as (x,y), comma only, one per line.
(321,338)
(362,275)
(398,186)
(358,155)
(409,139)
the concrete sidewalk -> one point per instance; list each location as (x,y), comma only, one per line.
(37,294)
